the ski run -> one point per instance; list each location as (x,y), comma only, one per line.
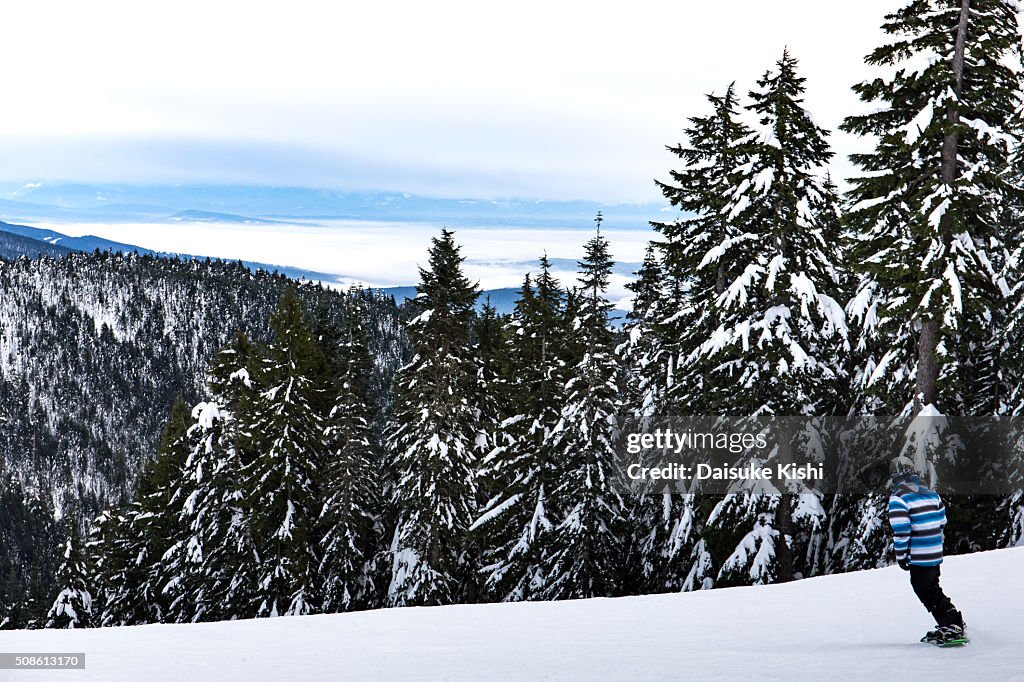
(857,626)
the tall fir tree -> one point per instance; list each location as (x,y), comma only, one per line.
(671,551)
(650,366)
(350,513)
(927,208)
(780,330)
(282,483)
(213,563)
(492,404)
(433,437)
(656,561)
(584,552)
(488,346)
(28,556)
(156,521)
(1013,356)
(514,522)
(780,338)
(713,160)
(1012,353)
(932,213)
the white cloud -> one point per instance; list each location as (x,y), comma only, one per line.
(377,253)
(452,97)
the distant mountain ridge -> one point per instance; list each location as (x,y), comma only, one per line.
(32,242)
(193,216)
(125,203)
(13,245)
(89,243)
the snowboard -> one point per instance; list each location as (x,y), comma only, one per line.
(946,643)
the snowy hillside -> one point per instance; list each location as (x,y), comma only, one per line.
(856,626)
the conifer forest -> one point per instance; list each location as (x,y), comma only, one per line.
(192,440)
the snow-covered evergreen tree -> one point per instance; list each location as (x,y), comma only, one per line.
(213,563)
(99,544)
(129,548)
(1011,354)
(698,273)
(519,471)
(781,334)
(649,364)
(933,254)
(665,525)
(73,606)
(672,367)
(859,535)
(780,330)
(1014,361)
(433,437)
(281,484)
(489,348)
(584,552)
(155,520)
(351,499)
(927,207)
(115,546)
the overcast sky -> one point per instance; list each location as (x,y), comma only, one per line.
(543,99)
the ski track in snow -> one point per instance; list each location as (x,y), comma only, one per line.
(857,626)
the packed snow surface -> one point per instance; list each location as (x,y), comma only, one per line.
(858,626)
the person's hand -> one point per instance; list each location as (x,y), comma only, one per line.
(904,564)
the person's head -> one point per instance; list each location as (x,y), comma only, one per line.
(901,468)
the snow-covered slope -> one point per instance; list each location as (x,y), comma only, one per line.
(848,627)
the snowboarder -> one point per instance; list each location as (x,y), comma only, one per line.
(918,516)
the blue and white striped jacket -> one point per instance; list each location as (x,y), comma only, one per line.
(917,516)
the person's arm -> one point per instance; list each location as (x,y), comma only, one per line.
(899,519)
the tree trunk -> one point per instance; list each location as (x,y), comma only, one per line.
(927,365)
(952,138)
(928,339)
(783,520)
(783,552)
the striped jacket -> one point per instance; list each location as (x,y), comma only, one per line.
(917,516)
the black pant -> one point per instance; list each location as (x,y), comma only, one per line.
(925,581)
